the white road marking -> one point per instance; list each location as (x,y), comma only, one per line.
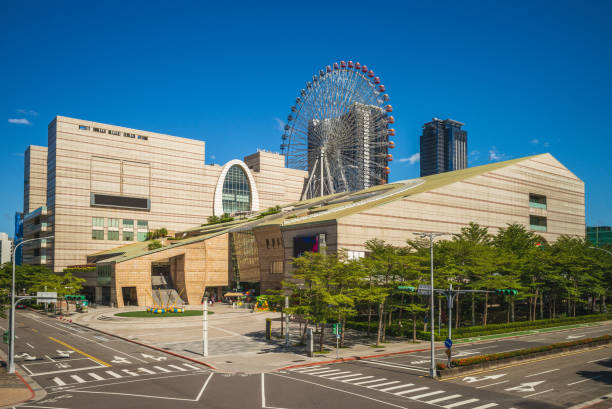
(178,368)
(300,369)
(159,368)
(206,384)
(426,394)
(525,387)
(155,358)
(341,390)
(400,393)
(488,405)
(596,360)
(464,402)
(322,371)
(87,339)
(146,371)
(449,397)
(312,369)
(30,345)
(370,381)
(584,380)
(127,371)
(95,376)
(540,373)
(191,366)
(538,393)
(491,384)
(49,358)
(59,381)
(357,379)
(397,387)
(395,366)
(470,379)
(78,378)
(120,360)
(334,374)
(383,384)
(344,376)
(114,374)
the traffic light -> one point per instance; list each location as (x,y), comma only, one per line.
(406,288)
(6,336)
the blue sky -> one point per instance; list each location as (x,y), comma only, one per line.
(525,77)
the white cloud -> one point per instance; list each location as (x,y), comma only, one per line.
(474,155)
(213,157)
(280,123)
(546,144)
(495,155)
(28,112)
(534,141)
(19,121)
(414,158)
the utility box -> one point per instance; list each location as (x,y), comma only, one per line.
(310,342)
(268,328)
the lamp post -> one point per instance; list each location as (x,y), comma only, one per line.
(431,236)
(599,248)
(11,366)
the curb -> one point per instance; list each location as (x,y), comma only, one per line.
(41,392)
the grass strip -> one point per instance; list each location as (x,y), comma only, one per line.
(145,314)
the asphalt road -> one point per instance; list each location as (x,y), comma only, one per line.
(80,368)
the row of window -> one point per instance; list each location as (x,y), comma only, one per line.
(127,223)
(111,132)
(274,242)
(114,235)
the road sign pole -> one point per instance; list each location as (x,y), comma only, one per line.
(450,320)
(286,321)
(432,369)
(337,338)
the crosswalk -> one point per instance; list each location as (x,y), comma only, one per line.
(420,393)
(104,375)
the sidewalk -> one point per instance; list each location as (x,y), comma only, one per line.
(236,338)
(14,389)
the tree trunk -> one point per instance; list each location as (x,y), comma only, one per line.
(542,305)
(282,323)
(384,329)
(457,313)
(486,310)
(303,339)
(439,315)
(390,313)
(512,310)
(380,323)
(369,318)
(342,334)
(473,310)
(413,327)
(321,336)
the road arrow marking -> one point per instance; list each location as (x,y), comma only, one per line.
(470,379)
(574,336)
(158,358)
(64,354)
(525,387)
(27,356)
(120,360)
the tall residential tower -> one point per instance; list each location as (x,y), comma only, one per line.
(443,147)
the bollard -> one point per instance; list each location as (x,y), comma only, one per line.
(310,342)
(268,328)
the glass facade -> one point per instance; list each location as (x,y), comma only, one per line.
(537,223)
(128,224)
(142,236)
(113,223)
(97,234)
(113,235)
(236,191)
(537,201)
(97,222)
(143,224)
(128,236)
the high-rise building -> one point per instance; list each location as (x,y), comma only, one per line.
(6,248)
(599,235)
(443,147)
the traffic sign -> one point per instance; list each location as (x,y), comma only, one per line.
(424,289)
(337,329)
(44,296)
(448,343)
(405,288)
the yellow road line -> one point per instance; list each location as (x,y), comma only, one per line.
(523,363)
(79,351)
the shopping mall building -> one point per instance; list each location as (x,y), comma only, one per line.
(107,186)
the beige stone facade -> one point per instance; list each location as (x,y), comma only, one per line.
(100,186)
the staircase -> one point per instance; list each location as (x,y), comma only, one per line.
(163,291)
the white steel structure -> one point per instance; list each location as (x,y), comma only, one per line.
(338,131)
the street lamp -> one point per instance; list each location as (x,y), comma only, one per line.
(11,366)
(599,248)
(431,236)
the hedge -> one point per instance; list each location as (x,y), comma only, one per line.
(469,332)
(521,352)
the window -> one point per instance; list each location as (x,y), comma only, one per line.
(83,128)
(143,225)
(113,223)
(114,132)
(97,222)
(142,236)
(97,234)
(236,194)
(113,234)
(128,235)
(267,243)
(129,135)
(277,267)
(144,138)
(355,255)
(537,223)
(537,201)
(100,130)
(128,224)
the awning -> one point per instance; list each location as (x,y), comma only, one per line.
(233,295)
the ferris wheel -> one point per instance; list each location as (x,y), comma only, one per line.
(339,130)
